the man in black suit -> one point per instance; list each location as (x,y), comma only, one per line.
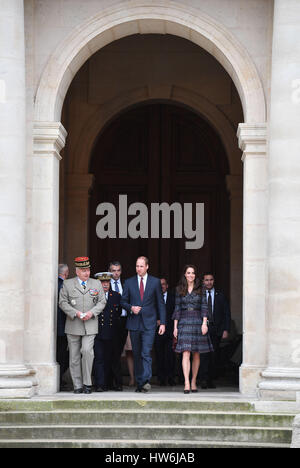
(108,324)
(142,298)
(219,326)
(62,354)
(120,335)
(165,356)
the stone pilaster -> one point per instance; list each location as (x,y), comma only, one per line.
(235,188)
(15,377)
(252,141)
(77,191)
(282,376)
(49,139)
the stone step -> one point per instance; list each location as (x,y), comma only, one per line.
(183,404)
(127,443)
(146,417)
(151,432)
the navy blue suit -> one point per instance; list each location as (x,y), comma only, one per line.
(142,326)
(103,344)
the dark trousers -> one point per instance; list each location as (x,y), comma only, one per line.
(119,340)
(62,355)
(142,343)
(102,362)
(209,361)
(165,357)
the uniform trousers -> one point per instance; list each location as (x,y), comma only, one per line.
(81,350)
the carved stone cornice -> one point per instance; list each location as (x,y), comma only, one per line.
(253,139)
(48,138)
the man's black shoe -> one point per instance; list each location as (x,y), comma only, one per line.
(118,388)
(78,390)
(146,386)
(141,390)
(87,389)
(211,384)
(100,389)
(171,382)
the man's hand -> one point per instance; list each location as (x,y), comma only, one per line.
(136,309)
(162,329)
(88,316)
(225,335)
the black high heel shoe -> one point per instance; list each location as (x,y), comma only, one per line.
(186,391)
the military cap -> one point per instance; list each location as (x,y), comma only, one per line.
(104,276)
(82,262)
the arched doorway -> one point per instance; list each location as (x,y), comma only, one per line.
(49,138)
(162,153)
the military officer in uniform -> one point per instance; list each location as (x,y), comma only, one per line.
(108,326)
(82,299)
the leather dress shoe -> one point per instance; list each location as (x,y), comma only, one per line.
(140,390)
(118,388)
(146,386)
(100,389)
(87,389)
(211,384)
(78,390)
(171,382)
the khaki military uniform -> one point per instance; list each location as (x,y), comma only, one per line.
(81,334)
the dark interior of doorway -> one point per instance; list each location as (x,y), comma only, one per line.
(163,152)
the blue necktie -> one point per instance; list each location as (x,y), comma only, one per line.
(83,284)
(117,287)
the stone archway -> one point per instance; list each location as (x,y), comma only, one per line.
(49,138)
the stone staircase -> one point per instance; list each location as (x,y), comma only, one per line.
(128,423)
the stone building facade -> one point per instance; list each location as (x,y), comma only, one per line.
(68,68)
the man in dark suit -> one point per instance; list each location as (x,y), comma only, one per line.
(119,338)
(219,326)
(108,325)
(142,298)
(62,354)
(163,344)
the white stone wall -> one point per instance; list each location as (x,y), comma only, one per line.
(243,27)
(250,22)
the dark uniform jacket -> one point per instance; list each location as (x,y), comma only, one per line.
(108,318)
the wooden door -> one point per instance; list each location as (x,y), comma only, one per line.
(161,152)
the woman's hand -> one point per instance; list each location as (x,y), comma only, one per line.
(204,328)
(175,333)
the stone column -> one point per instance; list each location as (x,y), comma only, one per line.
(282,376)
(15,378)
(252,141)
(77,206)
(40,344)
(235,188)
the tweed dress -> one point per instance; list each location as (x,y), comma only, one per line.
(190,311)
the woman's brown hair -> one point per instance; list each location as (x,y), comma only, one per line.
(182,287)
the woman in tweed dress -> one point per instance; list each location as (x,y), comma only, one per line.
(190,325)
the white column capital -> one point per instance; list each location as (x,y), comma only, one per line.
(49,137)
(252,139)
